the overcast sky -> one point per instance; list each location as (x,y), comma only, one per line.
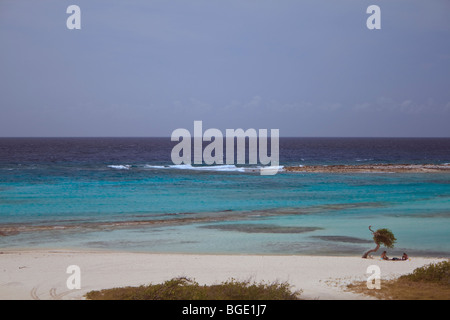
(148,67)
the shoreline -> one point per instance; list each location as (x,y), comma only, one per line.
(372,168)
(40,274)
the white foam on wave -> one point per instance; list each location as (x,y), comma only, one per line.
(191,167)
(120,166)
(221,168)
(148,166)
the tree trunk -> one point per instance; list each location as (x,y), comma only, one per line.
(370,251)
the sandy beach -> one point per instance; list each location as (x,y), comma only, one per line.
(42,274)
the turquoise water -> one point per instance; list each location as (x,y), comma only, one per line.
(124,194)
(219,212)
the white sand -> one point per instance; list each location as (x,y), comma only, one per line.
(41,274)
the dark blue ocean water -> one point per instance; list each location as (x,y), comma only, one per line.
(126,194)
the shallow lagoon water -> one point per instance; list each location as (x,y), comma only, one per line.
(100,196)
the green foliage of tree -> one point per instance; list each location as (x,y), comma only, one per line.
(383,237)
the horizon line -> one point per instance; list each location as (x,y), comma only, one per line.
(168,137)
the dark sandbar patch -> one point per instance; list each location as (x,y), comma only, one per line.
(260,228)
(342,239)
(348,206)
(176,219)
(425,215)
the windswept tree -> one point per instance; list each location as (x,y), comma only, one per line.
(383,237)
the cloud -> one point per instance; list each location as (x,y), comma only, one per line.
(255,102)
(330,106)
(405,106)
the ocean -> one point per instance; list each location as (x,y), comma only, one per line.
(126,194)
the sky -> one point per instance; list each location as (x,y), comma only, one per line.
(144,68)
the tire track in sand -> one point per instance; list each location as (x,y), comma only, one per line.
(33,294)
(58,296)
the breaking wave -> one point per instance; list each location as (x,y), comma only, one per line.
(221,168)
(120,166)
